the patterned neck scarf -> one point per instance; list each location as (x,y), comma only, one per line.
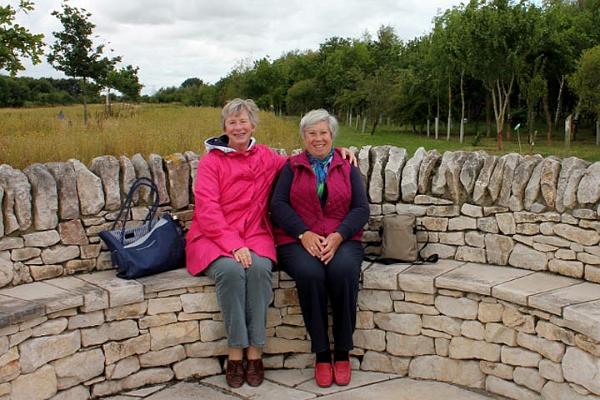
(320,167)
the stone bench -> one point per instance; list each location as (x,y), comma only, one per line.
(517,333)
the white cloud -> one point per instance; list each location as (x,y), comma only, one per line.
(174,40)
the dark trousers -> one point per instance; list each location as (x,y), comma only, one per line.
(317,282)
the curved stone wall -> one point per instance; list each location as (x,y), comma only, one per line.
(524,211)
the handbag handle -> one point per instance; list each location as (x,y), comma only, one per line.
(126,206)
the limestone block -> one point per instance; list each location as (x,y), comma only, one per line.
(588,258)
(525,257)
(506,223)
(463,348)
(286,332)
(58,254)
(509,389)
(443,211)
(512,160)
(462,223)
(26,253)
(39,385)
(452,238)
(178,179)
(115,351)
(582,236)
(483,179)
(39,351)
(498,248)
(582,368)
(17,199)
(471,170)
(549,349)
(410,175)
(567,268)
(41,239)
(111,331)
(155,164)
(123,368)
(127,177)
(276,345)
(199,302)
(120,291)
(381,362)
(551,371)
(465,373)
(369,339)
(438,184)
(157,320)
(86,320)
(490,312)
(589,190)
(502,371)
(162,357)
(519,357)
(211,349)
(79,367)
(66,183)
(164,305)
(528,229)
(1,219)
(418,211)
(375,300)
(530,378)
(487,224)
(471,210)
(44,196)
(151,376)
(212,330)
(89,189)
(53,327)
(77,393)
(562,391)
(457,307)
(107,168)
(472,330)
(428,165)
(409,346)
(72,232)
(550,331)
(549,180)
(568,167)
(429,200)
(142,170)
(442,250)
(433,223)
(383,276)
(407,324)
(196,367)
(532,190)
(173,334)
(456,190)
(470,254)
(521,178)
(495,181)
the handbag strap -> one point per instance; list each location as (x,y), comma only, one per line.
(126,206)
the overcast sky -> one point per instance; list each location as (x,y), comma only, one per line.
(177,39)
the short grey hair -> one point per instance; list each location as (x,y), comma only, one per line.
(236,106)
(314,117)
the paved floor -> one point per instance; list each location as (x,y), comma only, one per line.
(297,384)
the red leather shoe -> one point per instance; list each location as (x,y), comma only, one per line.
(342,373)
(323,374)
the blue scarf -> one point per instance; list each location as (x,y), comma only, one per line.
(320,167)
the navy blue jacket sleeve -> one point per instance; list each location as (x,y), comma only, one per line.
(358,215)
(282,213)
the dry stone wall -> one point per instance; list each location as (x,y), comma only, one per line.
(523,211)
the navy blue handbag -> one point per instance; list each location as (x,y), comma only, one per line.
(156,246)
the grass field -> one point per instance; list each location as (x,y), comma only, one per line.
(35,135)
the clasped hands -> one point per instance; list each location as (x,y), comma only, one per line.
(323,248)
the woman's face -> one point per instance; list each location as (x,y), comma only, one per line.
(239,130)
(317,139)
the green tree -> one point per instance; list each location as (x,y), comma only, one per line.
(74,52)
(17,42)
(586,83)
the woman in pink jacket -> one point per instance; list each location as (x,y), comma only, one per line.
(230,237)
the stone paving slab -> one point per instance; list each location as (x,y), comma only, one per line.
(14,311)
(120,291)
(520,289)
(584,318)
(359,378)
(478,278)
(175,279)
(420,278)
(381,276)
(290,377)
(268,390)
(53,298)
(191,391)
(554,301)
(408,389)
(94,298)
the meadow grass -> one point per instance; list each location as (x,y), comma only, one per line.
(35,135)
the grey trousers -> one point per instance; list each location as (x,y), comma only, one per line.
(243,296)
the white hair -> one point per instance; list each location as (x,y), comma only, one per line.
(314,117)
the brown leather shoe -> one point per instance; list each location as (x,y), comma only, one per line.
(255,372)
(234,374)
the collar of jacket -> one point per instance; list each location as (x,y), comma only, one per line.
(221,143)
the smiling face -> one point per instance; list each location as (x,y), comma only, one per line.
(239,130)
(318,140)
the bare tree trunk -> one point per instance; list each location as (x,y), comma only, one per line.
(488,116)
(437,119)
(462,99)
(500,96)
(364,124)
(509,120)
(375,125)
(559,100)
(449,110)
(548,119)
